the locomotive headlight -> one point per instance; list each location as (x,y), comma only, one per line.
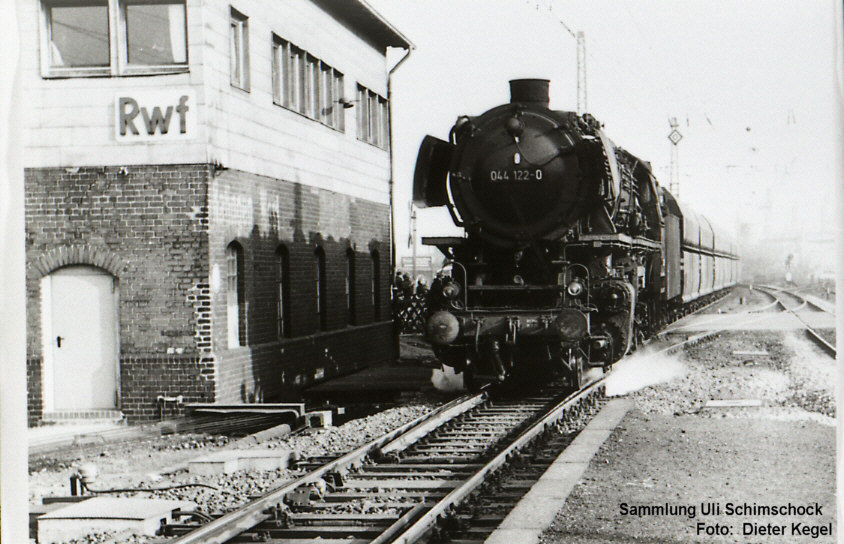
(571,325)
(575,288)
(451,290)
(442,328)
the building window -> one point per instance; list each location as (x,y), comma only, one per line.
(78,34)
(235,296)
(372,118)
(376,286)
(312,73)
(320,289)
(239,49)
(350,287)
(305,84)
(113,37)
(156,33)
(283,292)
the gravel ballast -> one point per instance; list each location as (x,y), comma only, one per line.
(139,465)
(794,379)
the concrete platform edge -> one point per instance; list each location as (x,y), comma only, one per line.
(537,509)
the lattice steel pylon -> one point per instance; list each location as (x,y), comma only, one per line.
(581,73)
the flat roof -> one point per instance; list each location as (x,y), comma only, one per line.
(360,16)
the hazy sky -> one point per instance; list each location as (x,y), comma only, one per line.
(751,84)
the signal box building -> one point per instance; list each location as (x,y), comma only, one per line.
(207,200)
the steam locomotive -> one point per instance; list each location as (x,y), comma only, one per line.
(572,253)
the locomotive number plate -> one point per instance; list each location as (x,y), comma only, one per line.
(520,174)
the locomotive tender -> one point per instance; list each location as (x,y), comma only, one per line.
(572,252)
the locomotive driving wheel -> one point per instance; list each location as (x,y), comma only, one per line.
(618,328)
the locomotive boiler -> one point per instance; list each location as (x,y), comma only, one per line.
(572,253)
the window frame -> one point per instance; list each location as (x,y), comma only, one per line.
(118,45)
(239,37)
(130,68)
(320,287)
(235,296)
(372,118)
(351,306)
(304,84)
(375,259)
(283,300)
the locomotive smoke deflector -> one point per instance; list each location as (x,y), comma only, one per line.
(431,173)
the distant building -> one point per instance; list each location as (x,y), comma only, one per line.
(207,199)
(426,267)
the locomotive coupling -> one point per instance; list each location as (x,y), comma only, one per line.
(442,328)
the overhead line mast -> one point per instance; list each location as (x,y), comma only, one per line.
(581,73)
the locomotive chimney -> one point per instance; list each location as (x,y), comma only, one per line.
(534,91)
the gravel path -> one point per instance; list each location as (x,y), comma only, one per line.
(673,451)
(688,460)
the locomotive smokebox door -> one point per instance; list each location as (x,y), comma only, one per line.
(430,176)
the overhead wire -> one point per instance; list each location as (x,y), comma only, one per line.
(608,59)
(550,8)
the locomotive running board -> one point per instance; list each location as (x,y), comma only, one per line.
(442,240)
(597,240)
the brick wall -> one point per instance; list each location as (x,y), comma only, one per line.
(148,227)
(162,231)
(33,384)
(144,378)
(262,215)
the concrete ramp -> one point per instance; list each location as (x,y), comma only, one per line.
(108,514)
(229,461)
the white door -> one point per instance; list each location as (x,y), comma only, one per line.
(83,336)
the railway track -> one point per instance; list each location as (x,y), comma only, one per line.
(782,301)
(795,304)
(456,472)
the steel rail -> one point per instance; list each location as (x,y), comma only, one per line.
(830,349)
(425,427)
(707,334)
(422,526)
(769,288)
(241,520)
(813,335)
(806,299)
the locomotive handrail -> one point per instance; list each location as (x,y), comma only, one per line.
(588,280)
(452,262)
(516,287)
